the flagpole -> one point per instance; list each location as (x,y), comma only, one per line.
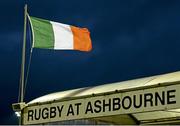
(23,56)
(23,63)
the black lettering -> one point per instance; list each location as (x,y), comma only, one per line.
(45,115)
(171,97)
(60,110)
(127,106)
(52,112)
(148,98)
(116,104)
(160,98)
(135,101)
(97,104)
(37,114)
(89,108)
(70,110)
(106,105)
(77,104)
(30,114)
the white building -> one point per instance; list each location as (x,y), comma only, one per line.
(150,100)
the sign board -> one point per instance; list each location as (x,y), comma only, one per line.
(152,99)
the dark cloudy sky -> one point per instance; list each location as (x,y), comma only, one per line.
(131,39)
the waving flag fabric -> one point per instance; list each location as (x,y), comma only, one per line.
(58,36)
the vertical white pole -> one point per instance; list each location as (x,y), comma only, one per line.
(23,56)
(23,63)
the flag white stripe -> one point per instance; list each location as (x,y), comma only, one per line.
(63,36)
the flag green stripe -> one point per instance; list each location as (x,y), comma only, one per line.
(43,33)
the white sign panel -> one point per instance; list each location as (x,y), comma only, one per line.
(159,98)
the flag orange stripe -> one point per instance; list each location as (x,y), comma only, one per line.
(81,38)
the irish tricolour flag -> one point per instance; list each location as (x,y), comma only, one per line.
(54,35)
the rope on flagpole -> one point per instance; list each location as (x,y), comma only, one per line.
(29,63)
